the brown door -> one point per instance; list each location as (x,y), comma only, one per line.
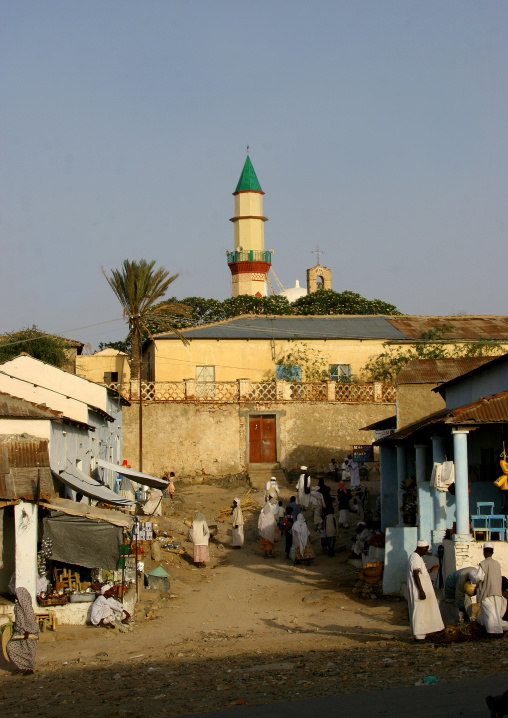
(262,449)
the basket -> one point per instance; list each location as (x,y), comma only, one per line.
(55,601)
(372,570)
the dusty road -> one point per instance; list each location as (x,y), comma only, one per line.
(243,631)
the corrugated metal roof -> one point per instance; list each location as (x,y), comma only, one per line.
(14,407)
(466,327)
(24,469)
(389,423)
(437,371)
(487,410)
(290,327)
(492,362)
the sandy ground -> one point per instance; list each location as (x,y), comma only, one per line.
(245,630)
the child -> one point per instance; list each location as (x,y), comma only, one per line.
(281,514)
(287,525)
(171,486)
(324,540)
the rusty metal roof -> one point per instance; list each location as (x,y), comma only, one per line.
(437,371)
(456,328)
(389,423)
(24,469)
(16,408)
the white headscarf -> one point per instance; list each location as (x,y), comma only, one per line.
(302,532)
(106,587)
(266,523)
(237,513)
(199,531)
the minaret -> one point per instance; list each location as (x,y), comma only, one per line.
(249,263)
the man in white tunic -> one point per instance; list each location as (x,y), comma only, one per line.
(489,593)
(354,471)
(105,607)
(303,488)
(237,530)
(272,489)
(424,614)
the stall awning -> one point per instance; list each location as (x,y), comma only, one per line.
(83,484)
(144,479)
(73,508)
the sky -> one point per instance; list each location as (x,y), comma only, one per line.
(377,129)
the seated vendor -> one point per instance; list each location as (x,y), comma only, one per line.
(106,609)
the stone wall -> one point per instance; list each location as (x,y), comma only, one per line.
(196,440)
(415,401)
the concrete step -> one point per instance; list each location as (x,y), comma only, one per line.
(259,474)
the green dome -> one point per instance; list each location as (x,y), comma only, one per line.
(248,179)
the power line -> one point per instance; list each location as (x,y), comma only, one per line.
(46,334)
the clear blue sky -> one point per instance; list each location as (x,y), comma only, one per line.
(378,131)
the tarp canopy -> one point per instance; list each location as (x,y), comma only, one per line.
(75,508)
(84,484)
(83,541)
(144,479)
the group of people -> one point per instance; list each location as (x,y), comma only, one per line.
(349,469)
(426,616)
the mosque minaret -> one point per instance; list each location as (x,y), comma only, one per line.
(249,263)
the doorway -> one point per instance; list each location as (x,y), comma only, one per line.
(262,439)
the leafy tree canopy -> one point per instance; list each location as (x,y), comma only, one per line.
(431,344)
(326,301)
(36,343)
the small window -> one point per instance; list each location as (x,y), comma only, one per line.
(110,377)
(288,372)
(339,372)
(205,373)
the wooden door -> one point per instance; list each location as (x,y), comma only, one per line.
(262,444)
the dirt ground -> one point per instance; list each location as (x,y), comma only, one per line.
(245,630)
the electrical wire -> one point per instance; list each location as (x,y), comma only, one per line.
(46,334)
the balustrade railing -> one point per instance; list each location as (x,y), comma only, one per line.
(243,390)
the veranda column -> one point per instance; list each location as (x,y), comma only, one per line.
(425,508)
(461,484)
(401,477)
(388,488)
(438,497)
(25,532)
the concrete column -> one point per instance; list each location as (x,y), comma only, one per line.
(378,391)
(438,497)
(243,389)
(25,532)
(330,390)
(190,388)
(461,484)
(280,388)
(401,476)
(425,507)
(388,488)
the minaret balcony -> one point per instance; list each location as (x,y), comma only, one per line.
(251,255)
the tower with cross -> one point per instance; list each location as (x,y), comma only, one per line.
(249,263)
(318,277)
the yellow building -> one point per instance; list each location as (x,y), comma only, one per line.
(306,348)
(108,366)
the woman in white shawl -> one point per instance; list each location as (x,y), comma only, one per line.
(237,524)
(303,488)
(199,534)
(317,503)
(266,529)
(301,540)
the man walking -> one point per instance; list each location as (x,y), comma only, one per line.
(424,615)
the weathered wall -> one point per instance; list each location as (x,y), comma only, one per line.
(94,366)
(415,401)
(196,440)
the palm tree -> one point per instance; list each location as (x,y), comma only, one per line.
(138,287)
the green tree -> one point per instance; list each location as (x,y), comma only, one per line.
(312,366)
(432,344)
(138,286)
(326,301)
(46,347)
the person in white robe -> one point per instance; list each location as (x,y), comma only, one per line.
(266,530)
(363,534)
(354,471)
(317,504)
(489,593)
(301,541)
(237,521)
(272,490)
(303,484)
(105,609)
(344,467)
(424,614)
(153,507)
